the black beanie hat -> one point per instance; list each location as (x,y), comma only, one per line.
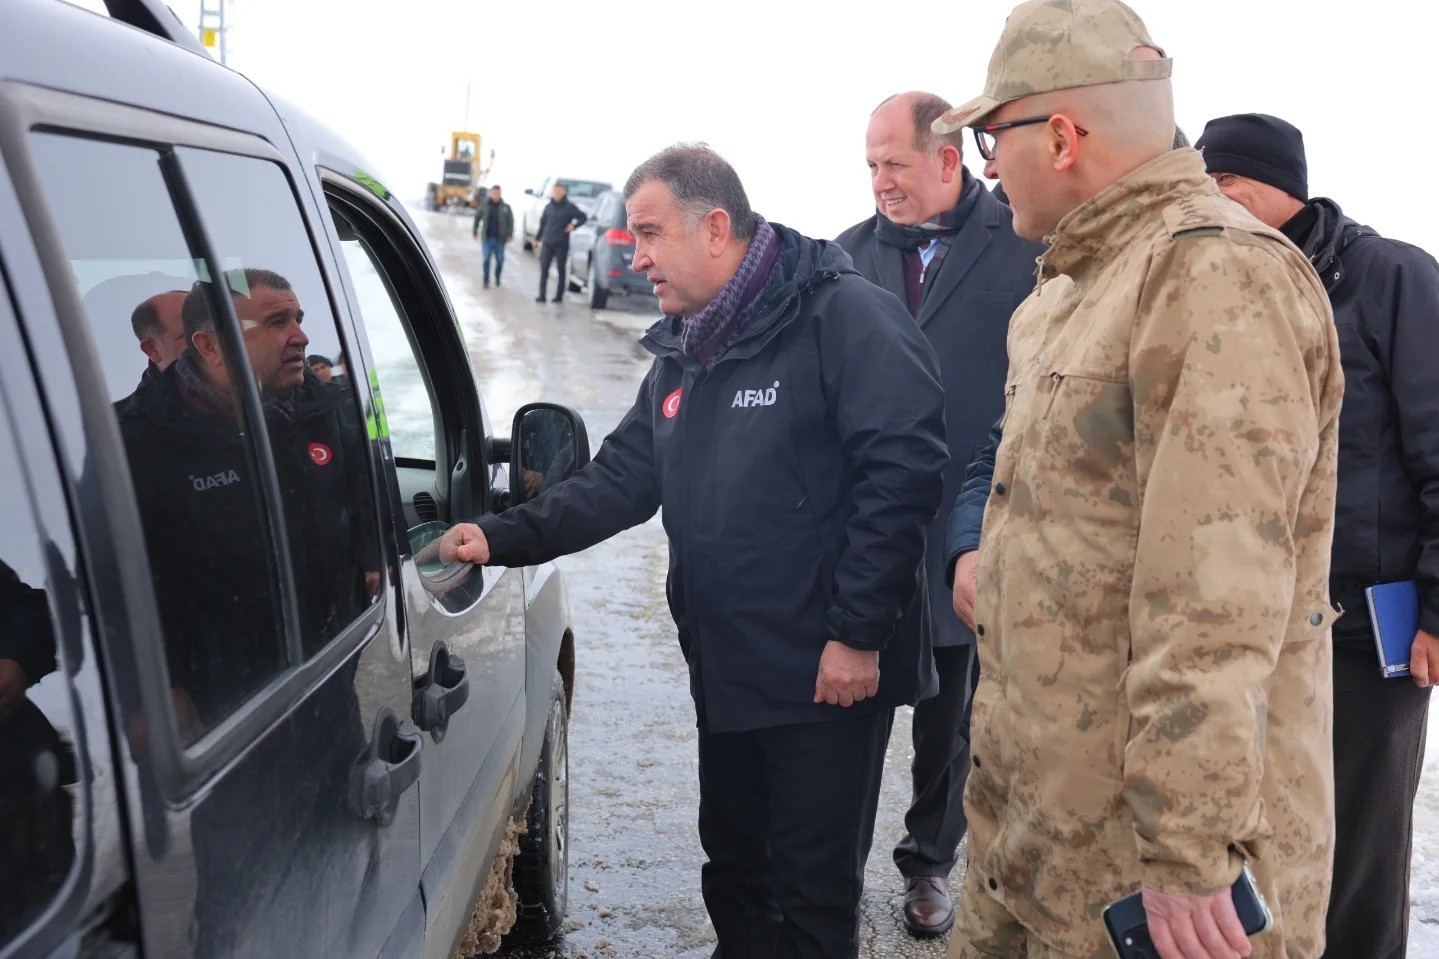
(1259,147)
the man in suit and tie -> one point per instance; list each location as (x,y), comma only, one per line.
(944,245)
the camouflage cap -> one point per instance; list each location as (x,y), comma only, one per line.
(1050,45)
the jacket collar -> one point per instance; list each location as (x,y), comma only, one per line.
(804,266)
(965,249)
(1328,238)
(1096,231)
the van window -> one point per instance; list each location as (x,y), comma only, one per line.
(199,474)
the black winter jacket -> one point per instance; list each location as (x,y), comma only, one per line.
(556,217)
(796,478)
(1385,296)
(504,218)
(210,561)
(986,273)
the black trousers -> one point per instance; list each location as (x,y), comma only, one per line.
(1379,727)
(786,820)
(935,824)
(559,254)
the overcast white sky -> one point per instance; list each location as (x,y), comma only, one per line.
(784,89)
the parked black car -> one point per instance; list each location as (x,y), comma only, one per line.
(243,710)
(601,251)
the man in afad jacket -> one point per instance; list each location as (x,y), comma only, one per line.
(1154,704)
(792,430)
(1385,296)
(942,243)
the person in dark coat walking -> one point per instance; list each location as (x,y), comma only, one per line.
(1385,296)
(792,430)
(942,243)
(559,220)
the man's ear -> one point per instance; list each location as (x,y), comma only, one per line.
(1064,143)
(949,163)
(207,344)
(148,347)
(717,226)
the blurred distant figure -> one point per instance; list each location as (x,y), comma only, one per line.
(556,224)
(495,217)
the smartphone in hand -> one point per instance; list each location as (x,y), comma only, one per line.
(1128,926)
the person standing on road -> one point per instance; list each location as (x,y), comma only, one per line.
(558,221)
(495,217)
(1385,296)
(792,430)
(945,246)
(1154,701)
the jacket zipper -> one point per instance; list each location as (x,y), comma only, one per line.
(686,559)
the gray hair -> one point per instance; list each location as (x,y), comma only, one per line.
(700,180)
(196,313)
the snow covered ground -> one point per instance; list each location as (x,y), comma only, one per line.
(1424,877)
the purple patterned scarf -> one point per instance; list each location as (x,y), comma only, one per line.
(710,332)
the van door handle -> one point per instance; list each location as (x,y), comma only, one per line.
(441,692)
(389,765)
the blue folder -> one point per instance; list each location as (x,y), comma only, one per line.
(1394,614)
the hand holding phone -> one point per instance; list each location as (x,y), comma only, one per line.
(1127,923)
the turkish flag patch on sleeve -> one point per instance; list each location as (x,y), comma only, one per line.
(321,454)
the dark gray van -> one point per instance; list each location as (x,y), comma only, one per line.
(243,709)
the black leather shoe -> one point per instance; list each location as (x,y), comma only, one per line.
(928,910)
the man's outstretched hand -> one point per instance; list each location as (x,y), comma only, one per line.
(466,543)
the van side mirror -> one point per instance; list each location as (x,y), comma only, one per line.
(529,191)
(548,444)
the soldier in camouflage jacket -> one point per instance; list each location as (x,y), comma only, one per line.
(1154,707)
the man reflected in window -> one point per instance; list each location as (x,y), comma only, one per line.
(203,514)
(160,332)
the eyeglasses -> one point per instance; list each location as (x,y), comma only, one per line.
(984,135)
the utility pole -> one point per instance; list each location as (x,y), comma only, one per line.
(214,31)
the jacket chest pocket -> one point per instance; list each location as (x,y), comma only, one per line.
(813,435)
(1080,443)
